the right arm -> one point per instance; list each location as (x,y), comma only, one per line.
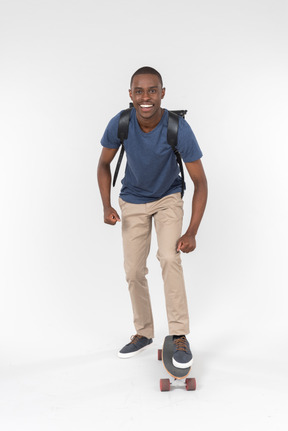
(104,181)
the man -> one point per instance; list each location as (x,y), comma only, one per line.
(151,190)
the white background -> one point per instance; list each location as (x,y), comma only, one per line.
(65,310)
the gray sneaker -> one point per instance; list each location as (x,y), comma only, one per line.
(136,345)
(182,357)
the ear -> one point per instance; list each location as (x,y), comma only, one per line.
(130,94)
(163,93)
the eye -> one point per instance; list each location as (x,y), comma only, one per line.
(153,90)
(138,91)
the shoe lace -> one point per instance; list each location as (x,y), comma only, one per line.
(135,338)
(181,343)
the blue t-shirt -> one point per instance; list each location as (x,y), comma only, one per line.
(152,171)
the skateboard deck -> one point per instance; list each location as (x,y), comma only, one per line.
(166,355)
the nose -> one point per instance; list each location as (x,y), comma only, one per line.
(145,95)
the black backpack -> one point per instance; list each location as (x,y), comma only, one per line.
(172,133)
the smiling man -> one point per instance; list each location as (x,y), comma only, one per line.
(151,191)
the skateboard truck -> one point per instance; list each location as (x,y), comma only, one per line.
(188,383)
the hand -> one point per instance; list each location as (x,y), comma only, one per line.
(111,216)
(186,243)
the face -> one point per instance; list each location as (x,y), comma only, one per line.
(146,94)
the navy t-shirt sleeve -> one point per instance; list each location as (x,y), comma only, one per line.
(187,144)
(110,139)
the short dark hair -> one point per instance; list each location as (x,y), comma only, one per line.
(146,70)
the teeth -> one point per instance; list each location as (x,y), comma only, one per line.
(146,106)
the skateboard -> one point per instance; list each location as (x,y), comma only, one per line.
(165,354)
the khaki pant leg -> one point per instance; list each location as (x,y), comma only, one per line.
(168,224)
(136,234)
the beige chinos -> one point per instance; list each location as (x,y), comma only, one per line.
(136,231)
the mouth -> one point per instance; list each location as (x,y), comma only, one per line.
(146,107)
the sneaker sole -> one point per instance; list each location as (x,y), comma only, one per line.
(182,366)
(131,354)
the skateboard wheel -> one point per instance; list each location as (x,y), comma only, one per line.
(159,354)
(190,384)
(164,385)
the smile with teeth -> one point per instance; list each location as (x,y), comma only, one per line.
(146,106)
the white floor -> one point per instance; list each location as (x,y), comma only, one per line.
(237,389)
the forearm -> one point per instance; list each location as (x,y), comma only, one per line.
(198,207)
(104,183)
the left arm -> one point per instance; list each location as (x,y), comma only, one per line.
(187,242)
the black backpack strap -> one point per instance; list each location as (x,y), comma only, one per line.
(123,128)
(172,134)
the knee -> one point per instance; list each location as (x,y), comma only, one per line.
(169,259)
(135,274)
